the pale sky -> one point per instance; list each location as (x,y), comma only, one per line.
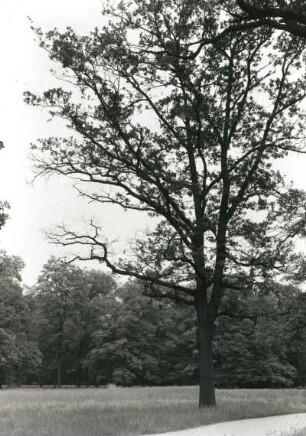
(24,66)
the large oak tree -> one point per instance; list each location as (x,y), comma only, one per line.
(169,121)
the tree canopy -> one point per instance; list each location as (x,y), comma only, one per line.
(3,204)
(19,353)
(276,14)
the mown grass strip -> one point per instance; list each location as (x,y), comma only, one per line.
(133,411)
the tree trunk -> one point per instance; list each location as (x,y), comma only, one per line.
(2,378)
(59,374)
(59,356)
(205,335)
(79,374)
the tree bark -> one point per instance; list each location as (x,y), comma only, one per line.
(207,396)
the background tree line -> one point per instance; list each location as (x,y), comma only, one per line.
(80,327)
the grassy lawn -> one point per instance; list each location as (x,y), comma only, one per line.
(132,411)
(298,433)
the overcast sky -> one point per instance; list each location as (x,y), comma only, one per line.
(24,66)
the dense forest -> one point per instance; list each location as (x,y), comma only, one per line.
(80,327)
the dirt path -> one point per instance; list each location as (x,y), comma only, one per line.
(269,426)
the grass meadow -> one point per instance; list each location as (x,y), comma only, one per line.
(132,411)
(298,433)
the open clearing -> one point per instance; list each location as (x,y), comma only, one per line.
(133,411)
